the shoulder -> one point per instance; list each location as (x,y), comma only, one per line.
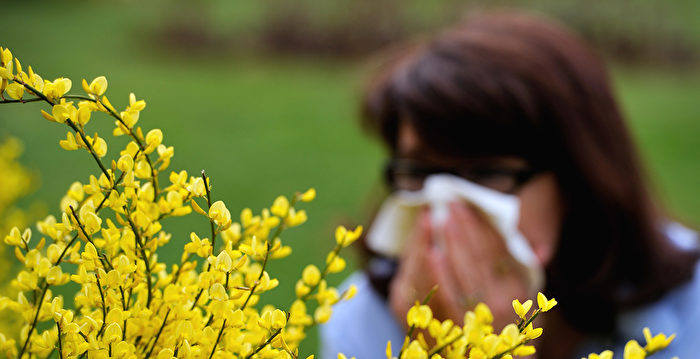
(682,236)
(678,311)
(361,326)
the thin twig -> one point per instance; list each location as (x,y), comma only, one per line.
(103,259)
(268,341)
(36,319)
(104,306)
(139,243)
(60,345)
(218,337)
(211,221)
(155,341)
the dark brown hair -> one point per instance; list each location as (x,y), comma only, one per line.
(512,84)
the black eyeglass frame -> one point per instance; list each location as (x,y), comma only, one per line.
(420,171)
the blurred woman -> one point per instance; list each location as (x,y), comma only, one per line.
(519,105)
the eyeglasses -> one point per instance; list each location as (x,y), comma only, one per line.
(405,174)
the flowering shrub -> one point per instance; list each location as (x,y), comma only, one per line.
(16,182)
(477,339)
(130,305)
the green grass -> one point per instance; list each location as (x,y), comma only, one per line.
(267,126)
(664,116)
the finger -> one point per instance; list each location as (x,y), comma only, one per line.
(409,283)
(473,259)
(446,299)
(464,251)
(421,234)
(493,243)
(503,265)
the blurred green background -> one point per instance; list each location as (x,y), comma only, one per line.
(263,95)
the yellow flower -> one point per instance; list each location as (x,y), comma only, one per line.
(166,353)
(85,109)
(69,144)
(280,207)
(311,275)
(64,111)
(197,245)
(301,289)
(26,280)
(56,89)
(14,238)
(419,316)
(15,90)
(220,214)
(531,333)
(153,140)
(113,333)
(414,351)
(522,309)
(142,169)
(135,105)
(309,195)
(217,292)
(657,342)
(125,163)
(222,262)
(350,292)
(483,314)
(344,238)
(197,188)
(55,276)
(545,304)
(388,350)
(232,234)
(604,355)
(83,276)
(97,87)
(335,263)
(274,319)
(295,218)
(323,313)
(634,351)
(510,335)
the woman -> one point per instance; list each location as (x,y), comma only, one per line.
(519,105)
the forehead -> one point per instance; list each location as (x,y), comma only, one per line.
(410,146)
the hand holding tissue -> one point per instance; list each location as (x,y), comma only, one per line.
(396,218)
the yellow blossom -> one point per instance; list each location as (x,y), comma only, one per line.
(311,275)
(309,195)
(522,309)
(15,90)
(97,87)
(419,316)
(414,351)
(607,354)
(189,308)
(545,304)
(153,140)
(634,351)
(69,144)
(220,214)
(295,218)
(657,342)
(350,292)
(280,207)
(323,313)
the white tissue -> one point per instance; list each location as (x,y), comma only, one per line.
(397,217)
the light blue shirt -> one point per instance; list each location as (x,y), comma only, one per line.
(362,326)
